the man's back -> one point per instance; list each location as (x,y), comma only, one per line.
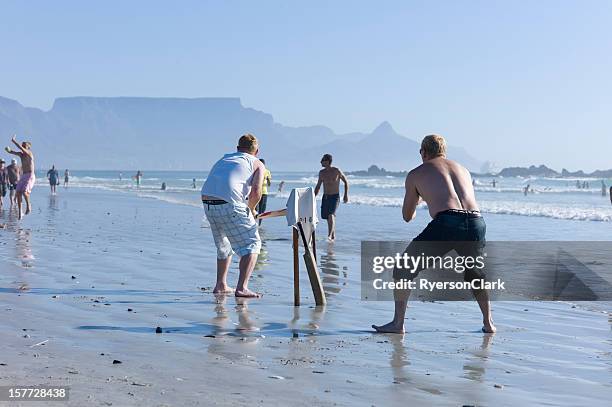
(231,177)
(444,184)
(331,180)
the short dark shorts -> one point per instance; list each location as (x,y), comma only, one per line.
(263,203)
(12,187)
(329,204)
(461,231)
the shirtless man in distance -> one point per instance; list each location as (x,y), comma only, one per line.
(447,188)
(330,177)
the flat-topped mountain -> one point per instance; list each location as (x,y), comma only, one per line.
(179,133)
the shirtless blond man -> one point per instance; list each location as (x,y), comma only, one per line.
(27,178)
(447,188)
(330,177)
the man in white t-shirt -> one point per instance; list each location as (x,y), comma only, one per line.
(230,195)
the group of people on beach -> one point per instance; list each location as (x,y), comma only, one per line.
(18,181)
(9,177)
(235,194)
(236,191)
(232,193)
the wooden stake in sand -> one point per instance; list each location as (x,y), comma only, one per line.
(309,260)
(313,272)
(296,269)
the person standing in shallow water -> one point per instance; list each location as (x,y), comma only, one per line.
(66,178)
(53,177)
(27,178)
(330,178)
(138,177)
(447,189)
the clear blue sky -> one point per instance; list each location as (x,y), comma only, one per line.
(515,82)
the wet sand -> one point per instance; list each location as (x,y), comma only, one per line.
(141,263)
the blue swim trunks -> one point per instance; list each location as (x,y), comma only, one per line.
(329,204)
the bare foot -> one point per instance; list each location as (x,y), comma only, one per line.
(390,328)
(246,293)
(223,289)
(27,212)
(489,328)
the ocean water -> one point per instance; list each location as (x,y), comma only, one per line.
(553,209)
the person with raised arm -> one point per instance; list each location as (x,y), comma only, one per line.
(27,178)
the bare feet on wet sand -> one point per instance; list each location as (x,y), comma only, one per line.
(390,328)
(223,289)
(246,293)
(488,327)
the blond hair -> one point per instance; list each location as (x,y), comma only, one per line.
(248,142)
(433,146)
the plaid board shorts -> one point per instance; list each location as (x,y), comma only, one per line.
(233,228)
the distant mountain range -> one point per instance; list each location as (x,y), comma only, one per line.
(544,171)
(191,134)
(532,171)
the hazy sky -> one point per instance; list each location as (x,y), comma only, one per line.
(515,82)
